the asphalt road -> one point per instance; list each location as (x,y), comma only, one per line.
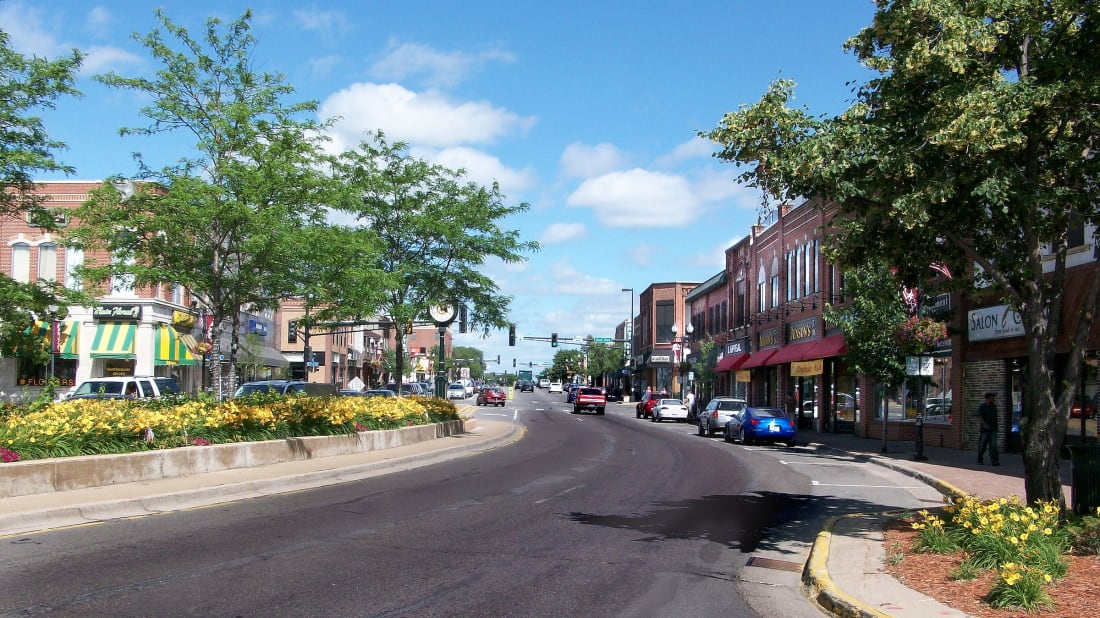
(586,515)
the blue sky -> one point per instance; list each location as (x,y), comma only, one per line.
(587,111)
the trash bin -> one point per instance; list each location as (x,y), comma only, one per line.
(1085,459)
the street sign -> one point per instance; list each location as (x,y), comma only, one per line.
(919,366)
(602,340)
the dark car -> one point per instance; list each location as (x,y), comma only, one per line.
(571,392)
(492,396)
(755,424)
(526,386)
(645,404)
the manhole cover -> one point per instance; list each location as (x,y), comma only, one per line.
(771,563)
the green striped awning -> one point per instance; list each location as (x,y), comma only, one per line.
(70,339)
(170,348)
(114,340)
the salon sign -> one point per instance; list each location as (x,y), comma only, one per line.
(1000,322)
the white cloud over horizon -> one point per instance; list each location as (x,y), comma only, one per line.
(558,233)
(403,60)
(586,161)
(638,199)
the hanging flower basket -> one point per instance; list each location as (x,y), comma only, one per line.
(917,335)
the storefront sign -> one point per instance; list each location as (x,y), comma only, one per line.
(807,368)
(802,330)
(741,346)
(117,312)
(767,338)
(660,359)
(998,322)
(743,376)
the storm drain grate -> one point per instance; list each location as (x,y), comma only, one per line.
(771,563)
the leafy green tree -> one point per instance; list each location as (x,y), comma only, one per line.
(703,367)
(869,324)
(28,85)
(566,364)
(476,356)
(975,144)
(604,359)
(221,222)
(436,231)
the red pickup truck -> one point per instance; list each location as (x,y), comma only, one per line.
(589,398)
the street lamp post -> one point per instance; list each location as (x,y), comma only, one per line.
(53,339)
(628,334)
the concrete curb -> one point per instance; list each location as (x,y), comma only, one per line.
(819,587)
(136,499)
(816,582)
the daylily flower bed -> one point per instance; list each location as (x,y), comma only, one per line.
(100,426)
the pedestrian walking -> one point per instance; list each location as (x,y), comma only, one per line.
(987,433)
(691,404)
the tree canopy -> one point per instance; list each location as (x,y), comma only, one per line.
(28,85)
(974,146)
(436,231)
(220,222)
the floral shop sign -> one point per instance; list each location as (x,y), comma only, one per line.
(999,322)
(117,312)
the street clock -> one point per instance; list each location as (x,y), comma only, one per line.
(443,314)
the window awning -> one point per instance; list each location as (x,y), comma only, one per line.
(825,348)
(114,340)
(759,359)
(791,353)
(68,336)
(70,339)
(170,348)
(730,362)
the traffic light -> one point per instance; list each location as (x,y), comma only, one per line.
(462,318)
(511,334)
(498,359)
(513,362)
(553,340)
(409,327)
(292,332)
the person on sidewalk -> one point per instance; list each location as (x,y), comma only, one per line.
(987,434)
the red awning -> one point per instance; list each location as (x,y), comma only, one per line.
(759,359)
(825,348)
(731,362)
(791,353)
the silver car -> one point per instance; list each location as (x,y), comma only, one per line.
(714,417)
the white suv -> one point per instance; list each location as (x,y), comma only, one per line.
(714,417)
(125,387)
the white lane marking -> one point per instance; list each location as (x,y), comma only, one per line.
(820,484)
(559,494)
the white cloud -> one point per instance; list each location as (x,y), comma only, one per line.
(30,35)
(99,19)
(638,199)
(695,148)
(481,168)
(569,280)
(426,118)
(323,66)
(585,161)
(557,233)
(326,23)
(104,59)
(401,61)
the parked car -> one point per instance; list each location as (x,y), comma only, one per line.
(492,396)
(456,391)
(1089,407)
(555,387)
(408,388)
(718,412)
(757,424)
(377,392)
(125,387)
(668,409)
(641,409)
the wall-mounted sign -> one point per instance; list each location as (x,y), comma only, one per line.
(740,346)
(767,338)
(660,358)
(802,330)
(808,368)
(117,312)
(998,322)
(743,376)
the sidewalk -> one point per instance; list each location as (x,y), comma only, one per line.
(844,573)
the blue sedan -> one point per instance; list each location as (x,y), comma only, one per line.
(755,424)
